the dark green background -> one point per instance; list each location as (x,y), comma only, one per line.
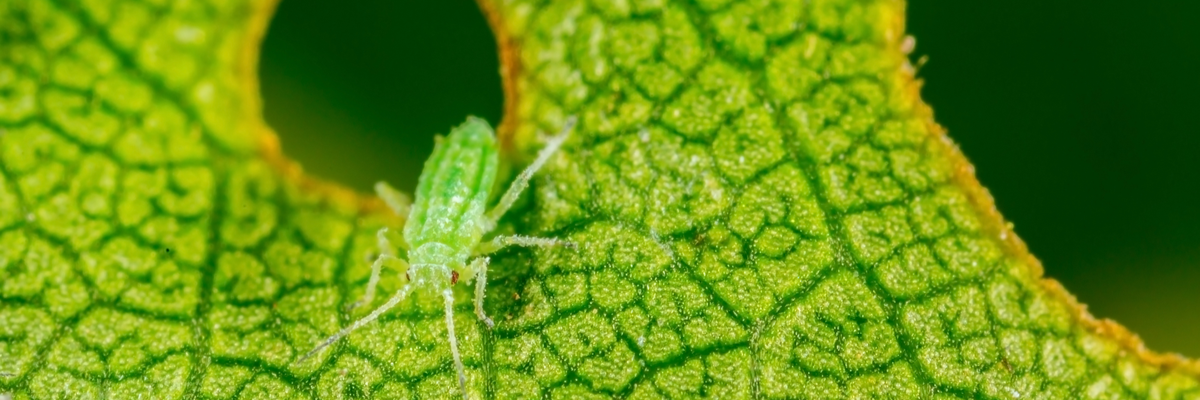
(1081,117)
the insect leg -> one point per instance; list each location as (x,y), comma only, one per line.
(399,202)
(480,266)
(396,299)
(522,181)
(385,256)
(500,242)
(448,294)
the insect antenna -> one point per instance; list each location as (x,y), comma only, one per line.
(458,365)
(522,181)
(392,302)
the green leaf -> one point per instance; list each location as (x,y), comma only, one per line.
(763,204)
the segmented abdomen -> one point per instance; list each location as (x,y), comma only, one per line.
(453,189)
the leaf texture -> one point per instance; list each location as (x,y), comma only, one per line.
(763,205)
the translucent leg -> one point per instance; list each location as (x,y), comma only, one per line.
(480,266)
(396,299)
(500,242)
(385,256)
(522,181)
(395,199)
(382,242)
(458,365)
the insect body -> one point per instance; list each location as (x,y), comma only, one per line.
(443,235)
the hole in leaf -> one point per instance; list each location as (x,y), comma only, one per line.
(357,90)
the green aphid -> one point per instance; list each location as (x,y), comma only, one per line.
(443,236)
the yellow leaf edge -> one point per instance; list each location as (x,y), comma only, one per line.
(997,227)
(268,142)
(964,177)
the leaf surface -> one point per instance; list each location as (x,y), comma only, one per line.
(763,205)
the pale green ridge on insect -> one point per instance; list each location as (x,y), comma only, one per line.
(443,235)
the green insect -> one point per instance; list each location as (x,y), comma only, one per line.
(443,235)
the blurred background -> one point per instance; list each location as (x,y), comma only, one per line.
(1081,117)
